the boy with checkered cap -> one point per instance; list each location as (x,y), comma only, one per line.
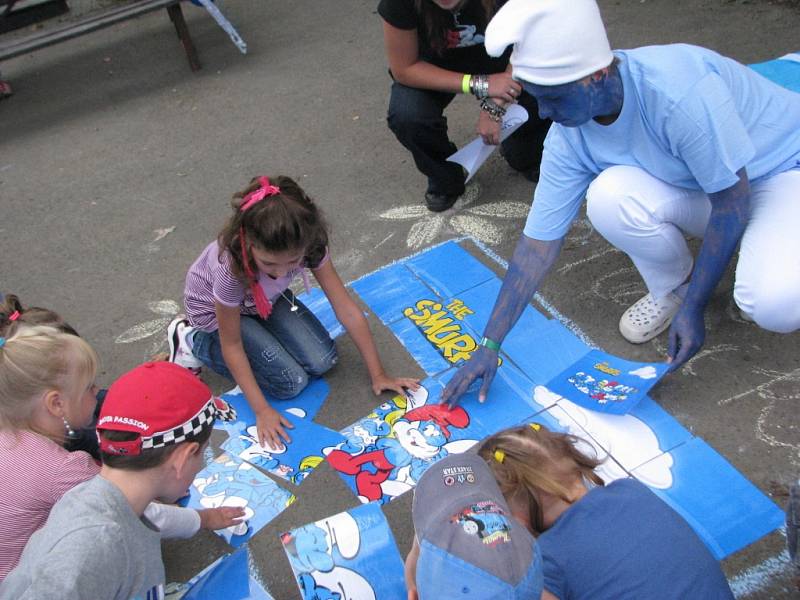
(153,429)
(467,545)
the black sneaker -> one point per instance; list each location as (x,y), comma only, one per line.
(439,202)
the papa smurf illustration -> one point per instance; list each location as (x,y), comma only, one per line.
(419,438)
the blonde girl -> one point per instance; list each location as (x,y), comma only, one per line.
(47,392)
(244,322)
(598,541)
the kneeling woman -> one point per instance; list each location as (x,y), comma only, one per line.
(597,541)
(435,51)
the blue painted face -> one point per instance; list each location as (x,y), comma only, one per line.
(569,104)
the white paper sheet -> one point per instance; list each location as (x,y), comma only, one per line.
(474,154)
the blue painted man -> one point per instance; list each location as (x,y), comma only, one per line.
(662,141)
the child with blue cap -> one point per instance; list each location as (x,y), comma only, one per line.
(467,544)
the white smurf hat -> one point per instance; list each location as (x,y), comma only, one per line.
(555,41)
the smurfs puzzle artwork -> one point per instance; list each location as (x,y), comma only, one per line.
(387,451)
(229,481)
(600,381)
(349,556)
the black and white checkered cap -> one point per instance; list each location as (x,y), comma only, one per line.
(214,408)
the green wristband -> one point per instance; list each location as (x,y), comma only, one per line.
(490,344)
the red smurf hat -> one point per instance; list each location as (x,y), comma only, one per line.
(163,403)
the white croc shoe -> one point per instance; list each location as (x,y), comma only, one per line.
(647,318)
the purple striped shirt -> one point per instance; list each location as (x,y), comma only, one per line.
(211,280)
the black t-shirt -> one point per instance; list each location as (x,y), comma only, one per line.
(464,51)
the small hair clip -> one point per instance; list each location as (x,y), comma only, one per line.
(535,426)
(499,456)
(2,342)
(265,190)
(14,316)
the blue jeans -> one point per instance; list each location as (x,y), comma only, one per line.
(416,117)
(284,350)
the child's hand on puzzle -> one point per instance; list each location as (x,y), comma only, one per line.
(270,425)
(396,384)
(220,518)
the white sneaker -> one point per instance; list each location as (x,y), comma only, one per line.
(647,318)
(180,351)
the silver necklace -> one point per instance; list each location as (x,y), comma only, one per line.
(294,306)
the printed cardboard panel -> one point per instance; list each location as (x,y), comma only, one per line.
(349,556)
(630,439)
(388,451)
(435,268)
(602,382)
(231,577)
(725,509)
(391,289)
(428,356)
(293,461)
(541,348)
(305,405)
(228,481)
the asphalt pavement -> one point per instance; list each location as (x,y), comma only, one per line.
(117,164)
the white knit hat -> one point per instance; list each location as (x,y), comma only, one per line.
(555,41)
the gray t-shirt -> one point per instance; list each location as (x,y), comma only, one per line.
(93,546)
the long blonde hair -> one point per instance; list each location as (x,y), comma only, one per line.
(531,458)
(35,360)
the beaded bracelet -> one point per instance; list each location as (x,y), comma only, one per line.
(496,112)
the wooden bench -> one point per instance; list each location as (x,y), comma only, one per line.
(101,20)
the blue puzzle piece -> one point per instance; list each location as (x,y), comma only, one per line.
(229,481)
(293,461)
(305,405)
(605,383)
(318,303)
(542,348)
(347,556)
(480,301)
(782,72)
(435,267)
(725,509)
(668,430)
(390,290)
(229,577)
(419,347)
(506,405)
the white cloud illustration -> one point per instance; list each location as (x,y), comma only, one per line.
(648,372)
(627,439)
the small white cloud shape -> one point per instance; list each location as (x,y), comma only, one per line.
(648,372)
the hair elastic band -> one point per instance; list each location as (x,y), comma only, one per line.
(535,426)
(499,456)
(14,316)
(265,190)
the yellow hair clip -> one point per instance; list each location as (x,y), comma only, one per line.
(535,426)
(499,456)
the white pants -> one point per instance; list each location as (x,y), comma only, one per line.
(647,218)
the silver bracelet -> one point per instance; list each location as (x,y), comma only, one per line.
(479,86)
(496,112)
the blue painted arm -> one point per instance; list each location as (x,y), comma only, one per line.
(730,210)
(531,261)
